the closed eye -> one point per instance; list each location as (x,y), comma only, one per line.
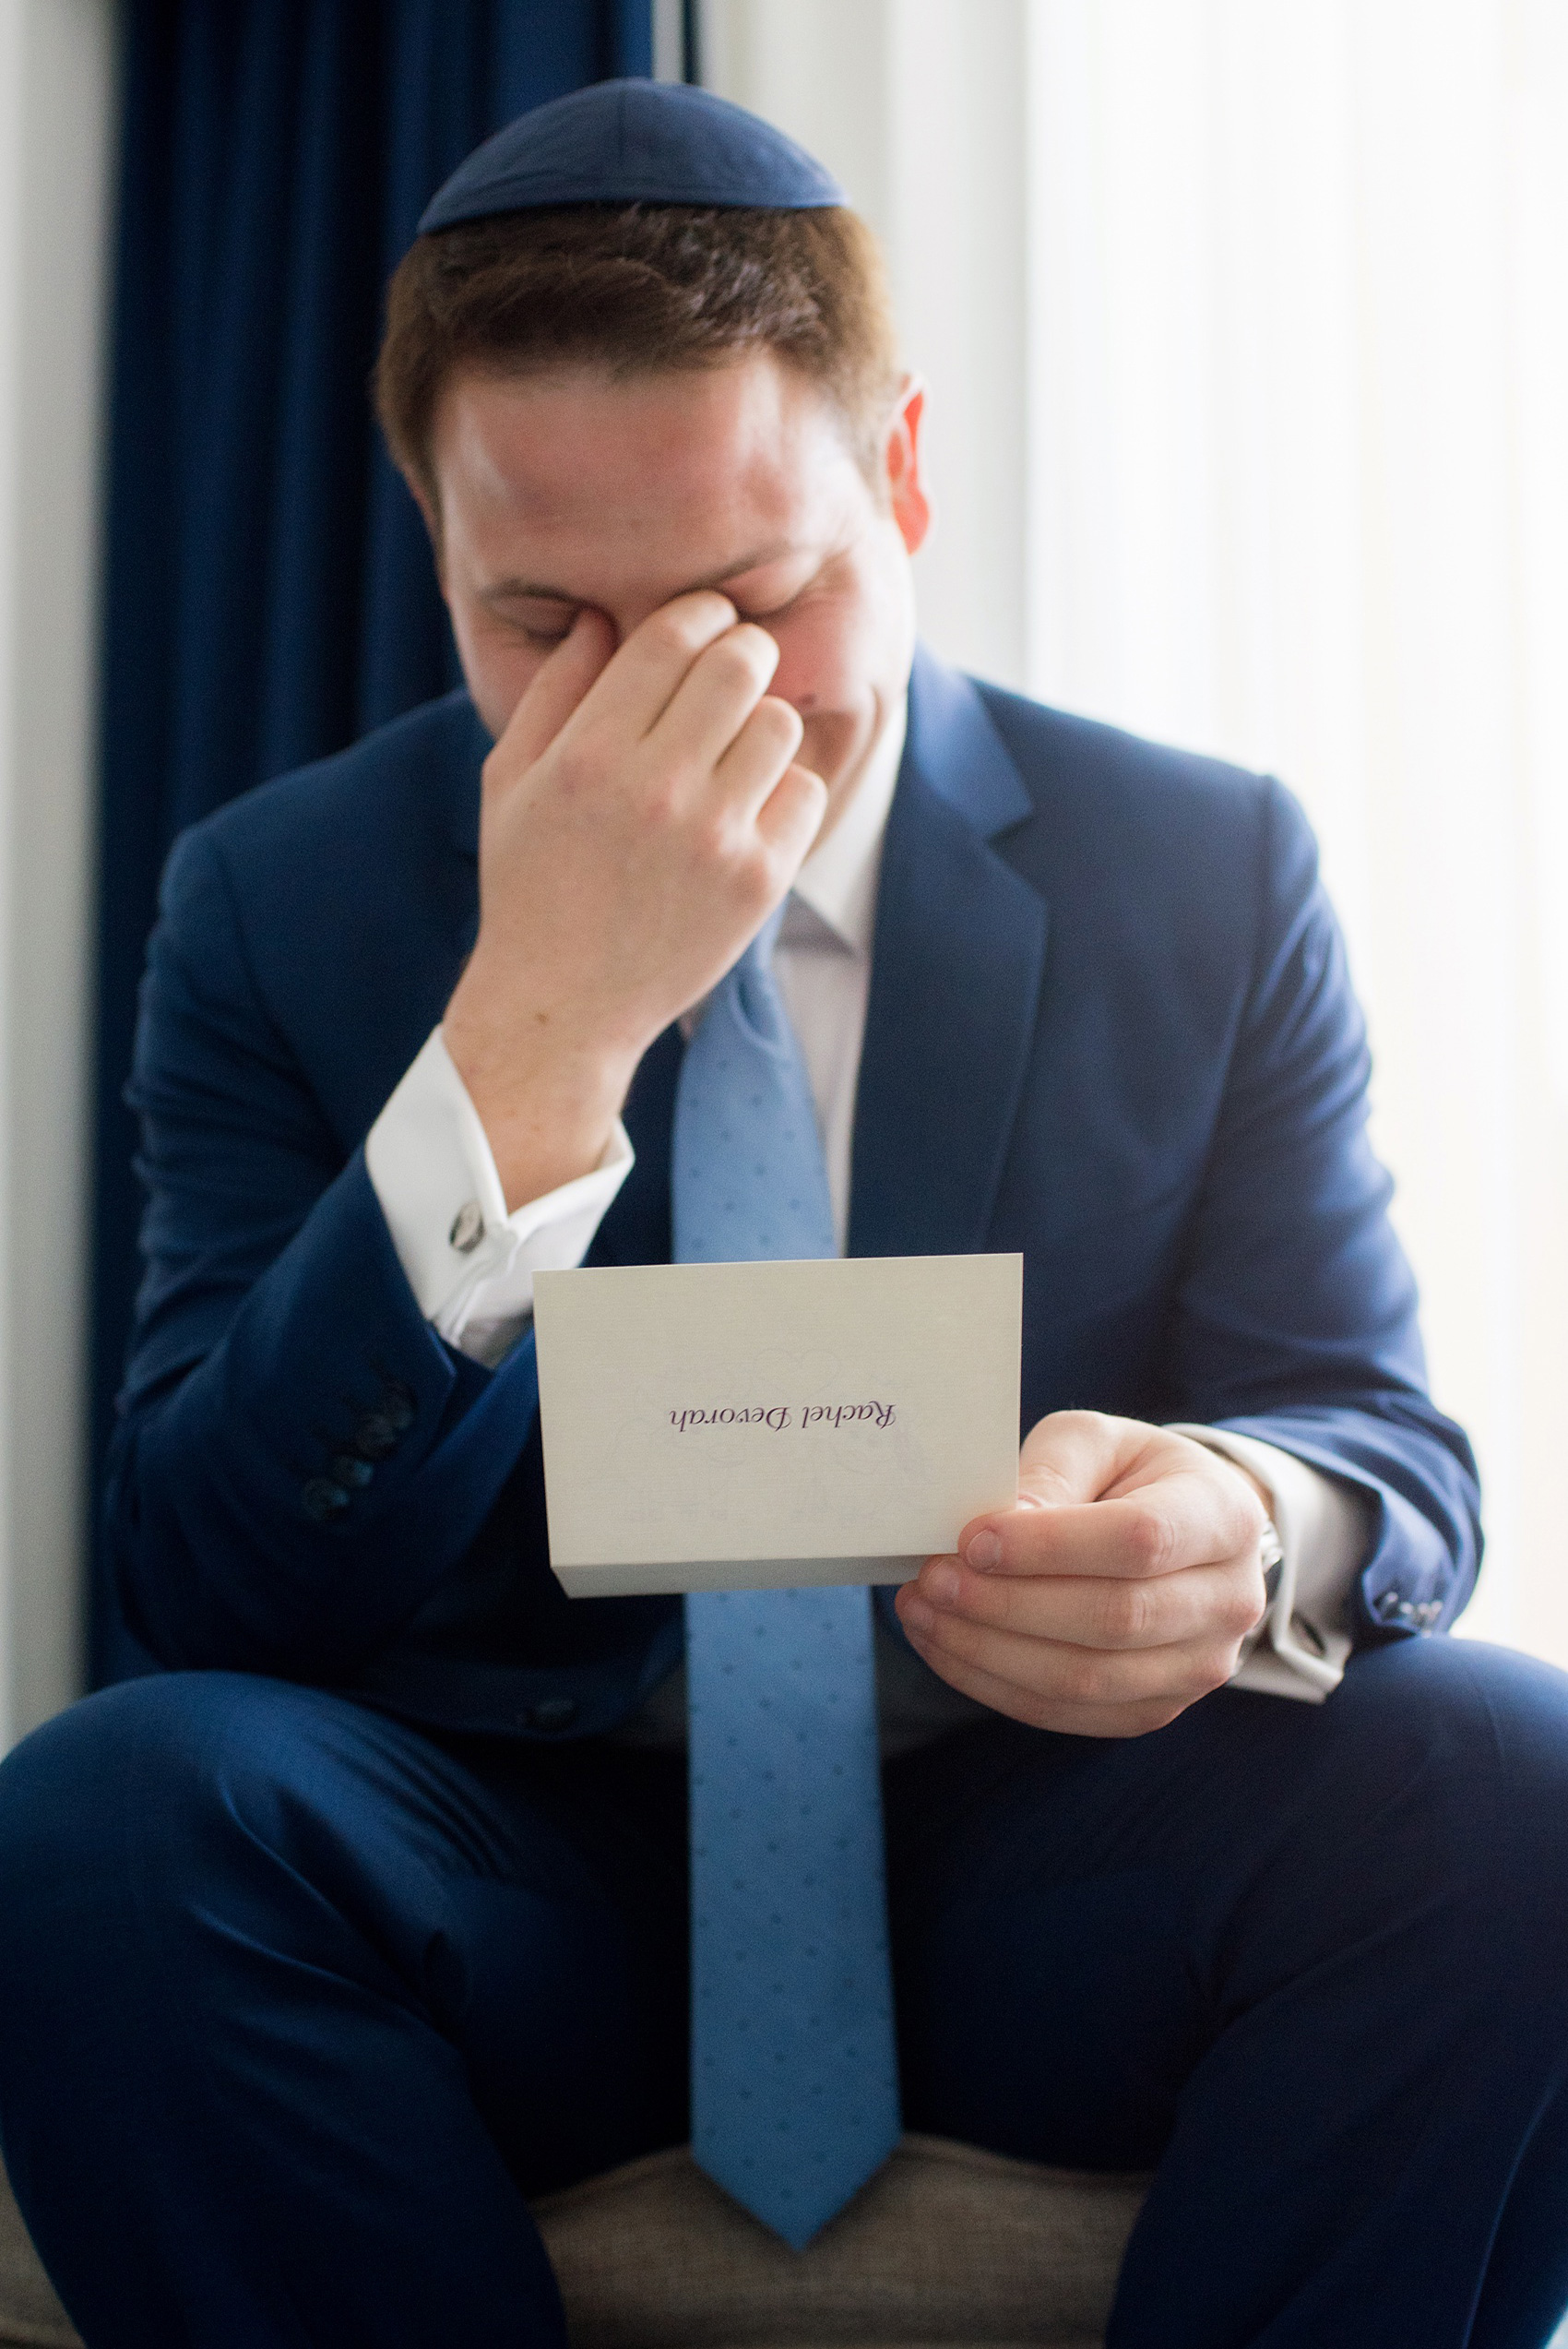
(541,623)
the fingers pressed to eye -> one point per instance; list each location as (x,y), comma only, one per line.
(657,658)
(717,694)
(1095,1611)
(558,689)
(751,768)
(791,817)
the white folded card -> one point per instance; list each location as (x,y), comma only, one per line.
(753,1426)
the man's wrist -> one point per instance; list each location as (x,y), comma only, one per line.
(548,1115)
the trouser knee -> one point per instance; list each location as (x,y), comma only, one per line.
(123,1806)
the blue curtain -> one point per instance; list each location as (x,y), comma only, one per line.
(268,593)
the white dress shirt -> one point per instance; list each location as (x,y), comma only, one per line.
(470,1264)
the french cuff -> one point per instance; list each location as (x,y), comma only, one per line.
(1304,1643)
(469,1264)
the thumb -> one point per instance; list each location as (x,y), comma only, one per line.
(558,687)
(1069,1459)
(1075,1456)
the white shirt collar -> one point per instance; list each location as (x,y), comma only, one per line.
(839,880)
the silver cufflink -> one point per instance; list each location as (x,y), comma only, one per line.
(467,1228)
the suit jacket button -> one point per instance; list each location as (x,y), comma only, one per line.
(375,1434)
(353,1473)
(399,1405)
(552,1713)
(323,1501)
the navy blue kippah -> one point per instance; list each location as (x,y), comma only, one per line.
(634,142)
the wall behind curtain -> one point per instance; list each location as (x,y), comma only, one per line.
(268,591)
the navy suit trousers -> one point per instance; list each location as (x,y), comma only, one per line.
(300,2004)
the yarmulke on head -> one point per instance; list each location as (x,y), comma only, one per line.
(634,142)
(637,226)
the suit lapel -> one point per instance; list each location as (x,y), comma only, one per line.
(956,963)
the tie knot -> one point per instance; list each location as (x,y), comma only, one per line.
(749,1179)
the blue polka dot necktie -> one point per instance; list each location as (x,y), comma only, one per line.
(794,2071)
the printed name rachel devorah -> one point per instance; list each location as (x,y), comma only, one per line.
(773,1425)
(777,1417)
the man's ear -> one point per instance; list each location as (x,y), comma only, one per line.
(901,462)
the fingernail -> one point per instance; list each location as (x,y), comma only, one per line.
(984,1551)
(941,1583)
(917,1614)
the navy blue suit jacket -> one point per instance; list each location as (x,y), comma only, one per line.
(1110,1026)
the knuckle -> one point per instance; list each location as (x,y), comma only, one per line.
(662,801)
(1212,1668)
(775,722)
(1250,1522)
(757,644)
(739,658)
(960,1637)
(690,620)
(1149,1538)
(1247,1610)
(1009,1606)
(1125,1610)
(1080,1423)
(676,631)
(1087,1681)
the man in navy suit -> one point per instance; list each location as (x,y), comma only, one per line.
(365,1920)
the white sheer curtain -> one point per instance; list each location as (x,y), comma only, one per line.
(1299,493)
(1246,325)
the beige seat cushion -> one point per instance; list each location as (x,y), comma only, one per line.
(946,2246)
(29,2310)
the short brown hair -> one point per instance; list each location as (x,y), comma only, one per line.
(638,289)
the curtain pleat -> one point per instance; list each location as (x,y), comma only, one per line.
(268,593)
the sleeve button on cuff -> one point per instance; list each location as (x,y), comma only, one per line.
(323,1501)
(399,1406)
